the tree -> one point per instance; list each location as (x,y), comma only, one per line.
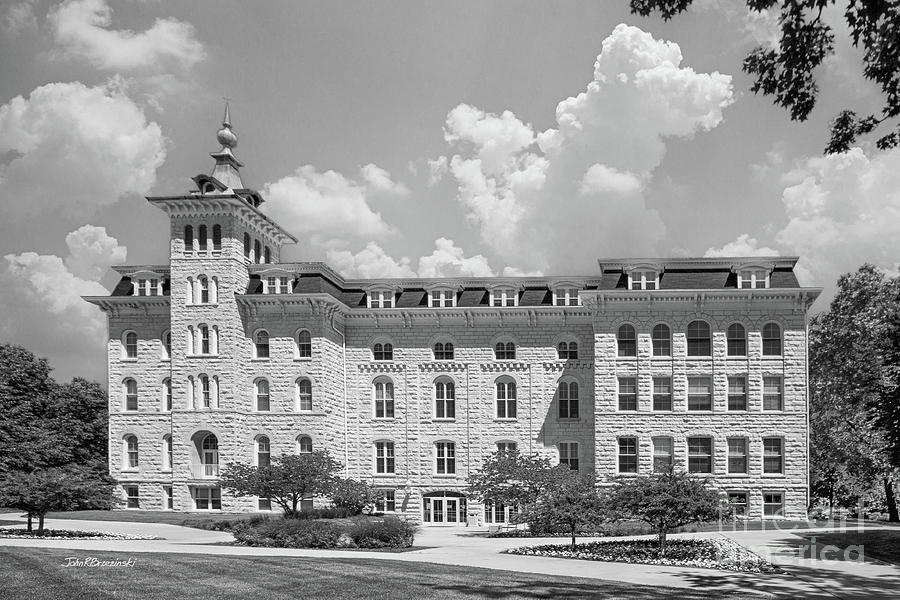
(25,388)
(855,385)
(78,410)
(665,501)
(571,503)
(514,479)
(286,481)
(351,494)
(785,71)
(55,488)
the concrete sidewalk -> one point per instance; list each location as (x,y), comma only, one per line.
(804,578)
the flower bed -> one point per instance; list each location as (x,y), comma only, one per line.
(69,534)
(716,553)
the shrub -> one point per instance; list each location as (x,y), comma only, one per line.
(350,495)
(334,512)
(221,524)
(306,533)
(388,533)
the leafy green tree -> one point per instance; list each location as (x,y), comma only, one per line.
(570,504)
(351,494)
(514,479)
(68,487)
(786,72)
(854,384)
(286,481)
(78,411)
(25,389)
(665,501)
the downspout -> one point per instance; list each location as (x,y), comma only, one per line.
(806,388)
(344,378)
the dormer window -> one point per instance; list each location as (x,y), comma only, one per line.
(565,296)
(276,285)
(504,297)
(381,299)
(753,278)
(643,279)
(208,188)
(442,298)
(148,287)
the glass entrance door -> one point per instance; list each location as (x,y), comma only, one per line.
(447,508)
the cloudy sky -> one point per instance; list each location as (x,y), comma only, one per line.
(414,138)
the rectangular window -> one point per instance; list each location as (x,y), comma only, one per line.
(445,458)
(384,458)
(737,455)
(739,503)
(504,297)
(662,454)
(168,500)
(208,498)
(700,393)
(773,455)
(264,504)
(384,299)
(643,280)
(628,459)
(507,447)
(132,495)
(772,393)
(699,454)
(385,501)
(737,393)
(662,393)
(628,393)
(753,278)
(568,454)
(565,297)
(283,285)
(773,504)
(442,298)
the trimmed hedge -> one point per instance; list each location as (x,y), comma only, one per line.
(360,532)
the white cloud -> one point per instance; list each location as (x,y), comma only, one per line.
(92,252)
(437,169)
(535,197)
(843,210)
(82,29)
(744,245)
(329,208)
(75,148)
(19,18)
(447,260)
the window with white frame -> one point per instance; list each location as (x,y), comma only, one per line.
(736,337)
(304,344)
(699,339)
(262,395)
(773,397)
(739,503)
(132,496)
(385,501)
(381,299)
(207,498)
(505,396)
(700,454)
(383,396)
(737,392)
(568,454)
(444,399)
(498,512)
(628,455)
(205,344)
(661,337)
(167,394)
(773,455)
(504,297)
(203,284)
(304,444)
(771,339)
(700,393)
(442,298)
(276,285)
(567,351)
(131,394)
(167,452)
(206,391)
(168,499)
(773,504)
(565,296)
(443,351)
(303,389)
(567,396)
(445,458)
(148,287)
(643,279)
(737,455)
(263,451)
(663,453)
(261,344)
(131,345)
(628,393)
(505,351)
(753,278)
(131,452)
(626,341)
(384,458)
(662,393)
(383,351)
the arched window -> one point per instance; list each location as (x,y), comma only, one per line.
(209,456)
(131,452)
(201,238)
(205,347)
(505,351)
(261,344)
(262,395)
(383,351)
(626,340)
(568,400)
(247,245)
(662,340)
(131,394)
(505,395)
(304,444)
(304,395)
(771,340)
(167,394)
(217,238)
(203,281)
(267,255)
(443,351)
(257,251)
(166,345)
(567,350)
(205,391)
(444,399)
(131,345)
(263,452)
(304,345)
(383,397)
(699,339)
(737,340)
(188,238)
(167,452)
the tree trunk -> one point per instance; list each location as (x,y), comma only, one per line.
(29,522)
(831,499)
(662,542)
(891,500)
(574,526)
(41,524)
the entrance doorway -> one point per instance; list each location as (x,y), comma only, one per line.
(444,508)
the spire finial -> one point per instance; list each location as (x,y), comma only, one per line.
(225,135)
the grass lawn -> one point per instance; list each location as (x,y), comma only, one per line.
(880,544)
(39,574)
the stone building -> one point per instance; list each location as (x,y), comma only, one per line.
(228,354)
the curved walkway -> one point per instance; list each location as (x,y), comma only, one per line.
(805,578)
